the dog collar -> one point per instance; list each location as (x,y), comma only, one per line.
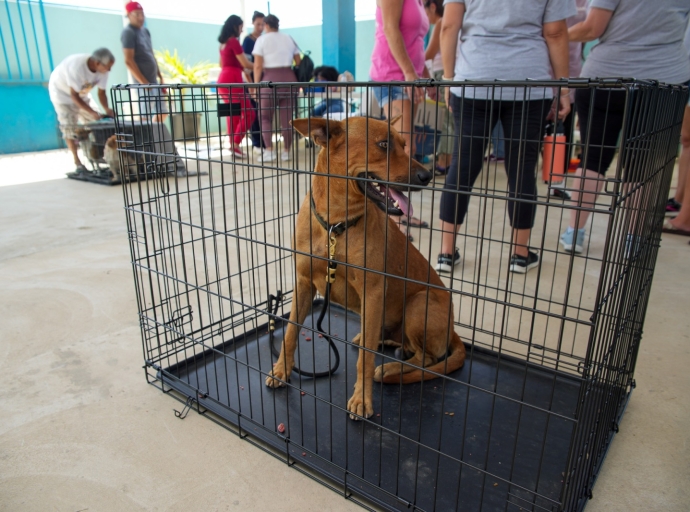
(337,228)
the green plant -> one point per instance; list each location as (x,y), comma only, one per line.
(176,71)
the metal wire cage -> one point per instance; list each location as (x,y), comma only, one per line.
(227,247)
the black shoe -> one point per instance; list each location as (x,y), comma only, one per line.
(446,262)
(672,207)
(521,264)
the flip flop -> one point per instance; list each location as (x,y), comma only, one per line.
(668,228)
(422,224)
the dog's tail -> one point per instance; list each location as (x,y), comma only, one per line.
(454,361)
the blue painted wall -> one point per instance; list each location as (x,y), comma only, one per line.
(29,121)
(338,33)
(25,55)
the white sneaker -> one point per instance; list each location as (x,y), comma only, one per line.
(257,151)
(269,155)
(573,240)
(285,156)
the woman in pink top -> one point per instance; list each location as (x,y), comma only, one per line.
(233,62)
(398,55)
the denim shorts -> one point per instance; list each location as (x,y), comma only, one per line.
(388,93)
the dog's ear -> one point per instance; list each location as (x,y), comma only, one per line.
(320,130)
(395,120)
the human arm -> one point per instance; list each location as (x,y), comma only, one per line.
(82,104)
(258,68)
(452,24)
(556,36)
(246,66)
(233,46)
(593,27)
(298,59)
(434,42)
(432,92)
(103,99)
(244,61)
(132,66)
(258,73)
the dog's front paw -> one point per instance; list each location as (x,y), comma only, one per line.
(386,370)
(278,376)
(360,406)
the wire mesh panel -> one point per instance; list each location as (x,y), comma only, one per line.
(416,340)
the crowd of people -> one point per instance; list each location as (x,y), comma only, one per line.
(539,40)
(470,40)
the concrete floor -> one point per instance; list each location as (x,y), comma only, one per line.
(81,430)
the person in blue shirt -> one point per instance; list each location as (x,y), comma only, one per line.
(329,105)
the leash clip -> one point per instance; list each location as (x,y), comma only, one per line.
(330,271)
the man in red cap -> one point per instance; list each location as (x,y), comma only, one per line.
(141,62)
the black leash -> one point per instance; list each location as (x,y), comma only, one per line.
(273,302)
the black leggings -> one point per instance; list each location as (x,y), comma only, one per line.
(601,115)
(523,126)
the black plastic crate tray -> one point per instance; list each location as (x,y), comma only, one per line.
(434,433)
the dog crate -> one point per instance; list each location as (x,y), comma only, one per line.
(550,354)
(147,149)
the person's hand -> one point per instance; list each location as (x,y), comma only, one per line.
(564,105)
(109,113)
(560,107)
(446,98)
(93,115)
(416,94)
(164,90)
(432,92)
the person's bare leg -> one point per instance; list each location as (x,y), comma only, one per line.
(404,124)
(521,242)
(444,159)
(404,109)
(584,193)
(72,145)
(684,160)
(682,220)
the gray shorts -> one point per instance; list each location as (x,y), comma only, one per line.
(152,102)
(70,116)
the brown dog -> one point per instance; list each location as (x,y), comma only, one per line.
(112,158)
(364,148)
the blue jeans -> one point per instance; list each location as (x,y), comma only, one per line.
(388,93)
(329,106)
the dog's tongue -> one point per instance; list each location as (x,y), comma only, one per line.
(402,200)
